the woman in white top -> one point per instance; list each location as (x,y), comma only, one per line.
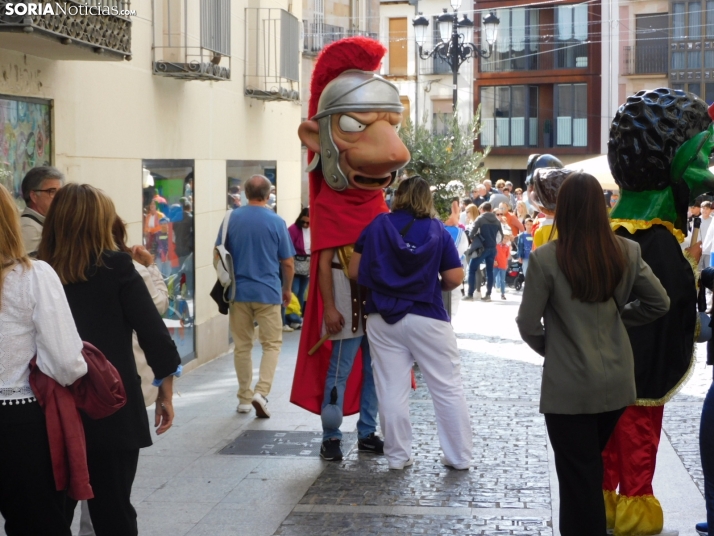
(35,320)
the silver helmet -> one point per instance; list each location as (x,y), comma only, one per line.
(351,91)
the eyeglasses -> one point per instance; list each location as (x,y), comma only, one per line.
(49,191)
(499,213)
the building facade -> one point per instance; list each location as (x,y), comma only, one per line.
(168,110)
(425,85)
(541,91)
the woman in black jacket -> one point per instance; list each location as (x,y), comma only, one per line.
(109,300)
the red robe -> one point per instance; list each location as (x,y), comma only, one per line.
(336,219)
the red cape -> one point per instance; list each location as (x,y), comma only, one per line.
(337,219)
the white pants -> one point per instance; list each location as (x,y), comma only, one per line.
(432,344)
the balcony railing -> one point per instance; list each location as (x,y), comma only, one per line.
(68,29)
(317,35)
(645,59)
(192,39)
(272,54)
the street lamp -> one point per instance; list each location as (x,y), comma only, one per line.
(456,39)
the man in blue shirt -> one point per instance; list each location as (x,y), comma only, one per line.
(259,242)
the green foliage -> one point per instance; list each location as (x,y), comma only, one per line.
(447,161)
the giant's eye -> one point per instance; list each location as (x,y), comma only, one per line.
(350,124)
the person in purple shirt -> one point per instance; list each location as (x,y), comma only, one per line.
(399,258)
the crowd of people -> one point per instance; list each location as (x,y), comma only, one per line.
(86,284)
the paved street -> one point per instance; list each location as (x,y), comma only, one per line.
(185,487)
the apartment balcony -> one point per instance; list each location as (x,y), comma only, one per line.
(317,35)
(644,60)
(272,55)
(87,30)
(192,39)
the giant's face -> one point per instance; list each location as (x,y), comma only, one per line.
(371,151)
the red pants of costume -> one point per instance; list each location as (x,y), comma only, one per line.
(629,462)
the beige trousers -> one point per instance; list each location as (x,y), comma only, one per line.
(269,319)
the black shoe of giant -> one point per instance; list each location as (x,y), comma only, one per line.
(372,443)
(330,450)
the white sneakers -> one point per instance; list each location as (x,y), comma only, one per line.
(453,466)
(244,408)
(287,329)
(401,466)
(260,403)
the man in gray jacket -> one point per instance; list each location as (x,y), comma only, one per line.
(488,228)
(38,190)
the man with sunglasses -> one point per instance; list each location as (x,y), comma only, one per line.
(38,190)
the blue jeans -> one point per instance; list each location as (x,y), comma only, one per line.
(299,288)
(292,318)
(706,451)
(488,256)
(500,277)
(345,351)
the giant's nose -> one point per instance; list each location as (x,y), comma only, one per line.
(380,150)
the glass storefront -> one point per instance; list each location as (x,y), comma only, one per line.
(25,140)
(168,231)
(239,171)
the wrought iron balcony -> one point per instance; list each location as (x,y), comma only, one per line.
(272,55)
(192,39)
(645,59)
(68,29)
(317,35)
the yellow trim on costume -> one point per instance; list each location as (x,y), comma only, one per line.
(638,516)
(611,498)
(640,225)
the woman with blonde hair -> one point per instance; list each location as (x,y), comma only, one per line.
(522,211)
(406,259)
(574,313)
(109,301)
(35,320)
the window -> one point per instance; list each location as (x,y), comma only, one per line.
(509,116)
(695,20)
(678,31)
(694,59)
(571,126)
(709,59)
(516,48)
(709,93)
(26,137)
(651,40)
(168,208)
(398,47)
(407,113)
(710,19)
(677,60)
(571,34)
(695,88)
(442,110)
(439,65)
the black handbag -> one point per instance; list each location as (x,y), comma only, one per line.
(476,247)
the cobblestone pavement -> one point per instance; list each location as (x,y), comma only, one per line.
(507,491)
(681,418)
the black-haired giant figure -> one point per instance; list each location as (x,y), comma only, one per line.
(658,152)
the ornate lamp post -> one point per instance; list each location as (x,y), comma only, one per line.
(456,39)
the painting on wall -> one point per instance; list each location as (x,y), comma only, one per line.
(25,141)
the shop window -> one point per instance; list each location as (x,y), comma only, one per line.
(168,209)
(571,126)
(25,141)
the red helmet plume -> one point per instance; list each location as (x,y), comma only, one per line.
(351,53)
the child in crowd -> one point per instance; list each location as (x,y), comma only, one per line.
(503,255)
(293,315)
(525,244)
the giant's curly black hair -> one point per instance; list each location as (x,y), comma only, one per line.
(646,133)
